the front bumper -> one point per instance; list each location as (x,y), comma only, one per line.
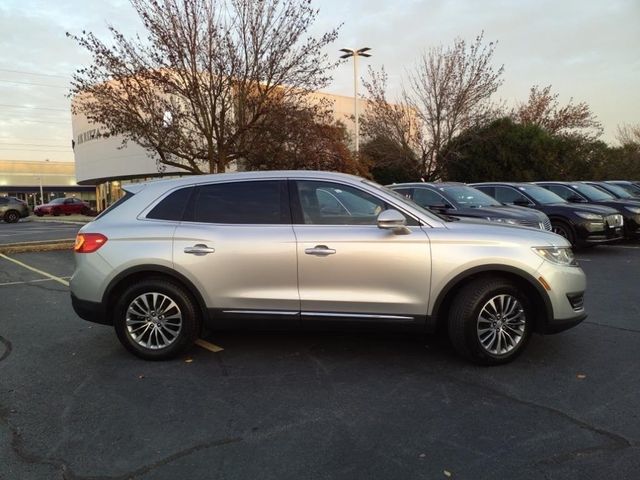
(566,287)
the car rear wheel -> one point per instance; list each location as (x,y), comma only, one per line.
(156,319)
(490,321)
(11,216)
(564,230)
(85,211)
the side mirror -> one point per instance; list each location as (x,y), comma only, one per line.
(393,220)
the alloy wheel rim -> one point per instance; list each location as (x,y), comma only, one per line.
(501,324)
(560,231)
(12,217)
(154,320)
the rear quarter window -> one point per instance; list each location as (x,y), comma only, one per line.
(172,207)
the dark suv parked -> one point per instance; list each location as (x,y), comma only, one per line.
(615,190)
(580,192)
(581,224)
(13,209)
(460,200)
(632,187)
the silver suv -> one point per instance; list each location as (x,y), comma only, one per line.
(306,249)
(13,209)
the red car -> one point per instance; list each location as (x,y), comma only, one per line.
(63,206)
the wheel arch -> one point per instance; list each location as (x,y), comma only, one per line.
(139,272)
(532,287)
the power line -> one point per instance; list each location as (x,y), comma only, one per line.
(28,120)
(35,150)
(34,108)
(33,73)
(33,145)
(34,84)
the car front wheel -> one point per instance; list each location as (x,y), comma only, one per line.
(490,321)
(156,319)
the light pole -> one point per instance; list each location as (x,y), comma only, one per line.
(355,53)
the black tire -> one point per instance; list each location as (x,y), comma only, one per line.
(38,214)
(85,211)
(464,321)
(55,212)
(187,307)
(12,216)
(564,230)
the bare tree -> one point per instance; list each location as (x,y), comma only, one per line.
(544,110)
(206,75)
(448,91)
(629,134)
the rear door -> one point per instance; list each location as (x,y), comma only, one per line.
(349,270)
(237,244)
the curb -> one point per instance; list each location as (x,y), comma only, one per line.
(45,246)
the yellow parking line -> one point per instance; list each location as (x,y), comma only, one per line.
(208,346)
(33,269)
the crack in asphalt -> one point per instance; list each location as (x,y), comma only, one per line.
(61,465)
(619,442)
(612,327)
(7,348)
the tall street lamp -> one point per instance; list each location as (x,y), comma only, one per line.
(355,53)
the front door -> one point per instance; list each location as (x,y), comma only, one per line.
(348,268)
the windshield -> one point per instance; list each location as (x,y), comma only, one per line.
(542,195)
(616,190)
(409,202)
(468,197)
(592,193)
(56,201)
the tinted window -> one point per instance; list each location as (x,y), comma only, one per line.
(258,202)
(428,198)
(172,206)
(57,201)
(509,195)
(405,192)
(325,203)
(562,191)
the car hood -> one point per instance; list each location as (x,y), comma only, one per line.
(501,211)
(583,207)
(484,231)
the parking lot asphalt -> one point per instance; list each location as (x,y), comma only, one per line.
(76,405)
(36,231)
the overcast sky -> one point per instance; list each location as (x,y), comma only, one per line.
(586,49)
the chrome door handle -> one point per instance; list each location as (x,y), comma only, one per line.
(199,249)
(320,250)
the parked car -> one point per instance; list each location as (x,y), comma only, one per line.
(270,249)
(63,206)
(615,191)
(581,224)
(462,201)
(13,209)
(580,192)
(632,187)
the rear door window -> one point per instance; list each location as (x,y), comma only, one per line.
(260,202)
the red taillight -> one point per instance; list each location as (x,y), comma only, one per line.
(89,242)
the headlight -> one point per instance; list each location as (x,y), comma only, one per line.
(590,216)
(558,255)
(634,210)
(508,221)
